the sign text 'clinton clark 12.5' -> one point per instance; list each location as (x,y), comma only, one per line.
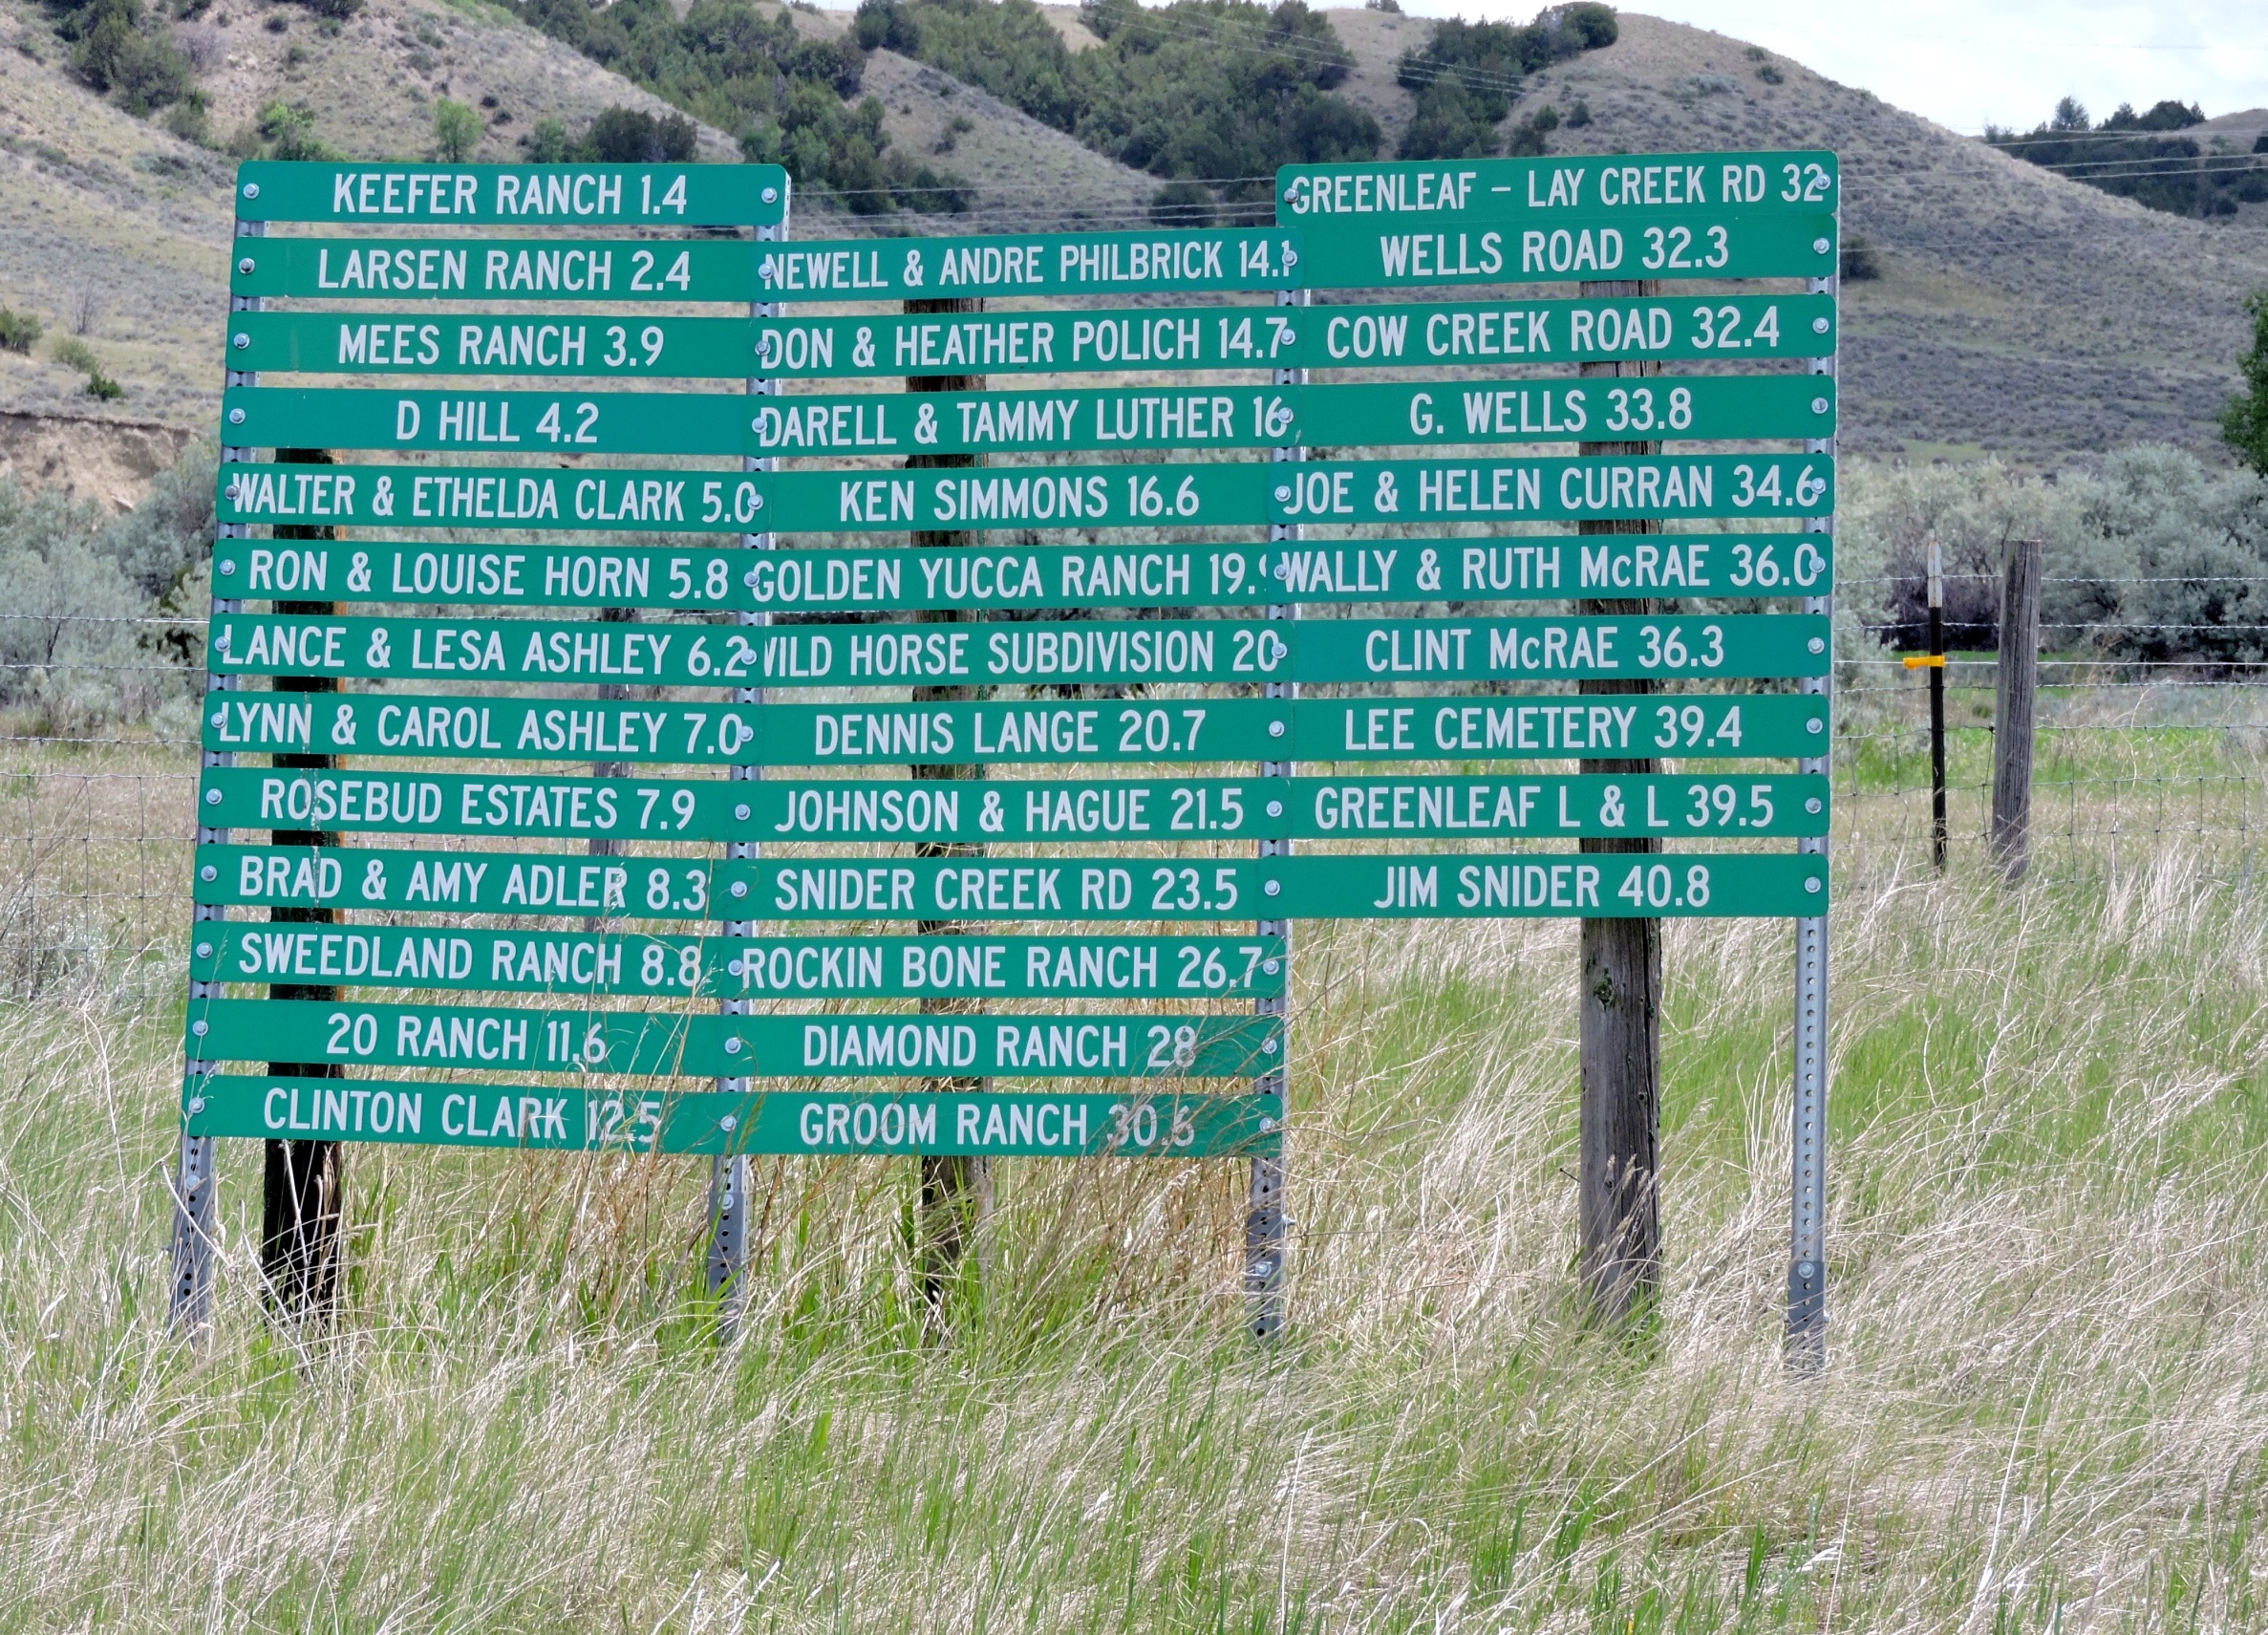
(858,1044)
(1087,811)
(1139,1123)
(1744,646)
(892,579)
(894,345)
(398,196)
(975,734)
(598,963)
(712,269)
(1700,407)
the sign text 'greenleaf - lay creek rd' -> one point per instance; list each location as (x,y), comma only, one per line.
(1706,725)
(587,962)
(1139,1123)
(523,805)
(1326,886)
(894,580)
(1744,646)
(1712,408)
(1593,329)
(860,1045)
(1165,495)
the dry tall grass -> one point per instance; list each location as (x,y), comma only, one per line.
(2043,1408)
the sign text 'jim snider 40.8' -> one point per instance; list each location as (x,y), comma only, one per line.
(894,579)
(531,806)
(1698,725)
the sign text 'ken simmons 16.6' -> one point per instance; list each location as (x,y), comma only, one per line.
(534,805)
(894,579)
(1138,1123)
(642,1042)
(1220,494)
(1715,725)
(806,347)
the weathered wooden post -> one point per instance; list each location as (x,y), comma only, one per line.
(2015,697)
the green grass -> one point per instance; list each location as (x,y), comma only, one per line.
(2043,1410)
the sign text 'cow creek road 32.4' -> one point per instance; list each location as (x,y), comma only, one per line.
(1744,646)
(865,1045)
(712,269)
(891,579)
(1699,725)
(587,964)
(1089,810)
(1008,343)
(1142,1122)
(1698,407)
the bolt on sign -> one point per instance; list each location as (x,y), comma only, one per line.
(566,618)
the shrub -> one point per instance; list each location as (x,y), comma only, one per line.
(289,129)
(124,52)
(631,135)
(102,386)
(548,143)
(1183,205)
(1466,76)
(455,131)
(72,353)
(1860,263)
(2244,419)
(18,330)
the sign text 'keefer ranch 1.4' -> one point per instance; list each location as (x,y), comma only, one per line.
(579,698)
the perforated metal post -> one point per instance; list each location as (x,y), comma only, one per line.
(1266,1226)
(729,1171)
(196,1199)
(1807,1256)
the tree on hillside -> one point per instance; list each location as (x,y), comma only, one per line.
(2140,157)
(1466,76)
(455,131)
(2244,422)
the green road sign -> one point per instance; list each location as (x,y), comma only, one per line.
(865,1044)
(1089,810)
(491,496)
(1712,407)
(1502,886)
(396,196)
(471,882)
(489,423)
(499,268)
(1344,197)
(1687,244)
(973,733)
(896,345)
(894,580)
(522,575)
(1031,263)
(601,963)
(1639,485)
(787,1123)
(1058,653)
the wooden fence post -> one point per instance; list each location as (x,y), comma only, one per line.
(956,1191)
(1940,835)
(1618,1210)
(2015,699)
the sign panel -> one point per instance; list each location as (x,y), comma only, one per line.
(489,423)
(1183,339)
(1056,653)
(1703,407)
(522,575)
(543,1118)
(398,196)
(1087,811)
(1742,885)
(1031,263)
(470,882)
(1664,245)
(607,964)
(1767,725)
(542,498)
(856,1044)
(498,268)
(1339,196)
(1508,490)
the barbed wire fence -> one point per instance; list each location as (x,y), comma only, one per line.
(2135,757)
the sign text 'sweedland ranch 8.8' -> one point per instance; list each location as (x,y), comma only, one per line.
(665,679)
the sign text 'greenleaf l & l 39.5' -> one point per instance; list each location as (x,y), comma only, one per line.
(1156,1124)
(858,1044)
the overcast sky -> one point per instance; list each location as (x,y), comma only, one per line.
(1963,62)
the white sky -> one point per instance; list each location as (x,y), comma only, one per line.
(1963,62)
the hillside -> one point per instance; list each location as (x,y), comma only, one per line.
(2016,310)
